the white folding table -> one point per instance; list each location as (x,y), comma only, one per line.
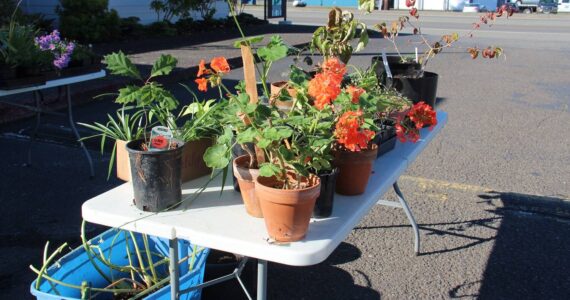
(219,221)
(56,83)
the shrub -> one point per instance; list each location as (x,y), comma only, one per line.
(88,21)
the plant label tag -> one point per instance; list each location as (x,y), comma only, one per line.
(160,138)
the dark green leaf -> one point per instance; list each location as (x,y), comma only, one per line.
(120,64)
(164,65)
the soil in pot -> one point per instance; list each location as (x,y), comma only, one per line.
(287,212)
(221,263)
(193,165)
(122,161)
(156,177)
(246,179)
(355,169)
(324,204)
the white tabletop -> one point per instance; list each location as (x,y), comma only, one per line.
(220,222)
(55,83)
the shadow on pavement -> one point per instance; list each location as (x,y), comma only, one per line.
(530,257)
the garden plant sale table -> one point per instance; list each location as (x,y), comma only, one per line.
(217,219)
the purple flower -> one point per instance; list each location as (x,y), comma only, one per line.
(61,50)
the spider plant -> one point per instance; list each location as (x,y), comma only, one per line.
(123,126)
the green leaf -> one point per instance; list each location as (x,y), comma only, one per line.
(247,136)
(268,170)
(263,143)
(164,65)
(297,75)
(286,153)
(363,41)
(248,41)
(217,156)
(128,94)
(120,64)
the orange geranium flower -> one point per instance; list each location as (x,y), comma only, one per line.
(334,67)
(323,89)
(220,65)
(202,70)
(349,134)
(202,84)
(355,93)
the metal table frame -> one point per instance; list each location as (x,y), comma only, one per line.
(194,220)
(62,84)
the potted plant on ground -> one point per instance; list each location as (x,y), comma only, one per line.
(408,71)
(117,264)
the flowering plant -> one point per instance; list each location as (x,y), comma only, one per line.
(409,122)
(61,49)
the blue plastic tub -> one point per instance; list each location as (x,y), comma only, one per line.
(75,267)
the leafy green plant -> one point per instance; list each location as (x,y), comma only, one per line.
(17,47)
(335,39)
(121,127)
(144,273)
(151,97)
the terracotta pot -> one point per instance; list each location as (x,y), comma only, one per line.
(122,161)
(276,88)
(354,170)
(193,165)
(246,179)
(287,212)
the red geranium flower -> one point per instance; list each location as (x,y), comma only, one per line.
(334,67)
(422,114)
(202,84)
(220,65)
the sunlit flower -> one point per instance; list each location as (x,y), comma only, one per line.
(202,84)
(220,65)
(202,70)
(355,93)
(349,134)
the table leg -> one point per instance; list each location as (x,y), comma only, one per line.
(261,279)
(72,125)
(173,269)
(410,217)
(38,121)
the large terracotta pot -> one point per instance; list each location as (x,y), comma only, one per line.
(193,165)
(354,170)
(287,212)
(246,179)
(122,161)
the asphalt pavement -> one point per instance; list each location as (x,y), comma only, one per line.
(490,194)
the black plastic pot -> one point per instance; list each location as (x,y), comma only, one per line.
(397,67)
(409,80)
(324,205)
(385,139)
(419,89)
(156,177)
